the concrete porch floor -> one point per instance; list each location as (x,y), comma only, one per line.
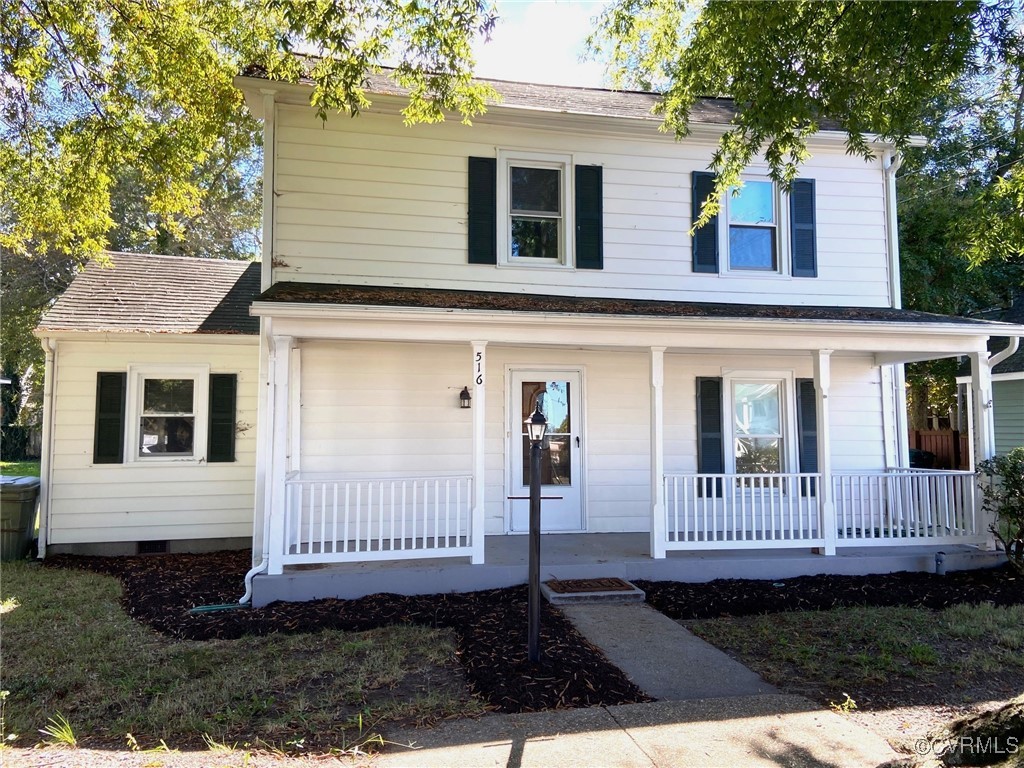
(595,555)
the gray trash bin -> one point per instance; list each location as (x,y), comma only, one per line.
(18,496)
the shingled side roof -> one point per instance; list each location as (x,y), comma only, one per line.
(436,298)
(138,293)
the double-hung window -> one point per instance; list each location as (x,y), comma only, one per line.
(757,423)
(759,228)
(534,206)
(167,409)
(753,236)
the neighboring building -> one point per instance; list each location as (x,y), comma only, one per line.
(1007,383)
(150,407)
(737,390)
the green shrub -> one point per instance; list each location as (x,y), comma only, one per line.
(1004,498)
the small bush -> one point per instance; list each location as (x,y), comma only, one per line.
(1004,498)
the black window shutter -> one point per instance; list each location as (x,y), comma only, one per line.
(807,429)
(705,239)
(483,225)
(108,444)
(803,238)
(221,435)
(589,218)
(710,438)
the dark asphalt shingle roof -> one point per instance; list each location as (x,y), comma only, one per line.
(1011,314)
(139,293)
(321,293)
(570,99)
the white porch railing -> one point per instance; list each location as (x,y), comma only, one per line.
(336,521)
(729,511)
(906,505)
(883,508)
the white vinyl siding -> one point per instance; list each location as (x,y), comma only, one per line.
(368,201)
(374,410)
(1008,414)
(145,501)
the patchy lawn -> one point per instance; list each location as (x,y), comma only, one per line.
(70,652)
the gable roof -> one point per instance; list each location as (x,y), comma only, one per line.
(140,293)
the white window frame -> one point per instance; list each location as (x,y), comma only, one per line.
(782,245)
(137,375)
(563,163)
(786,380)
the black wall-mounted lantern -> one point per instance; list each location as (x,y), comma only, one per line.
(465,398)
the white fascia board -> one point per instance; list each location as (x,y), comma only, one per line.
(536,117)
(1011,376)
(131,337)
(457,325)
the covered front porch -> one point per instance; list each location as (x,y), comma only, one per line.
(586,556)
(408,483)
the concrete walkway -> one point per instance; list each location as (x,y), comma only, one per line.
(666,661)
(712,711)
(748,731)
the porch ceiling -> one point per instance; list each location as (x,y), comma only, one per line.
(314,310)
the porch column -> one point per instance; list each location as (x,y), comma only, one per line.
(658,452)
(822,384)
(984,441)
(279,401)
(479,425)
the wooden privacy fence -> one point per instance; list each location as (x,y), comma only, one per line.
(949,447)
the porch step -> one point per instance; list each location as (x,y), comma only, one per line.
(575,591)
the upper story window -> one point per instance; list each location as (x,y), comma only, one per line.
(535,209)
(753,236)
(759,228)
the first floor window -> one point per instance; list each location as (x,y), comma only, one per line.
(167,424)
(757,427)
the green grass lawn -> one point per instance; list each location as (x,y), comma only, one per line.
(71,652)
(19,468)
(875,654)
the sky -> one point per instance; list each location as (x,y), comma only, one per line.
(541,41)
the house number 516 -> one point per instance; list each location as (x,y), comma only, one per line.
(480,368)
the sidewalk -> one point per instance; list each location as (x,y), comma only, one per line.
(766,730)
(711,711)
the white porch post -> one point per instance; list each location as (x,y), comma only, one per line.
(279,401)
(658,452)
(479,427)
(822,384)
(981,388)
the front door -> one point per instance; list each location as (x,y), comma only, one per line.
(558,394)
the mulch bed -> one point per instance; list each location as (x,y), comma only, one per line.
(749,597)
(159,590)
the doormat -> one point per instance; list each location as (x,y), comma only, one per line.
(577,586)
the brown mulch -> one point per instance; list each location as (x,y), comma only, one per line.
(749,597)
(159,590)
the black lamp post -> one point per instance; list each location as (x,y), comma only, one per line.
(535,427)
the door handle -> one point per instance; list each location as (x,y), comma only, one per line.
(577,441)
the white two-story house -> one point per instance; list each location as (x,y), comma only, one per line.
(724,404)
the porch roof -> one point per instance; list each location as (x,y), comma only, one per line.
(294,293)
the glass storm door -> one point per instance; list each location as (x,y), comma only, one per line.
(558,395)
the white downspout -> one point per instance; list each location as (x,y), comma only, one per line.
(46,457)
(891,162)
(999,357)
(264,452)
